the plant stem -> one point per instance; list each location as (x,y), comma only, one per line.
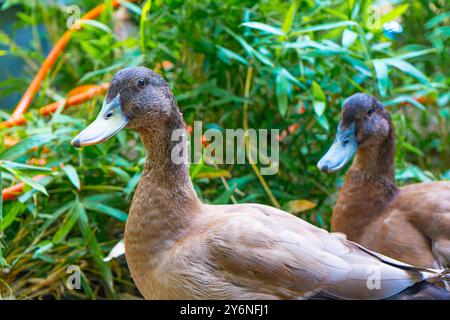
(255,168)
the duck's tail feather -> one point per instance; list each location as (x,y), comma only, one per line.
(424,290)
(433,286)
(399,264)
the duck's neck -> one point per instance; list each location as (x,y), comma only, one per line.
(164,203)
(368,189)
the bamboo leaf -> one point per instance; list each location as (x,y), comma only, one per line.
(394,14)
(103,208)
(72,174)
(264,27)
(228,55)
(22,166)
(407,68)
(96,24)
(289,19)
(32,183)
(319,102)
(144,18)
(131,6)
(381,71)
(62,232)
(23,146)
(326,26)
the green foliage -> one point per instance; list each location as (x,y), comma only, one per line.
(307,57)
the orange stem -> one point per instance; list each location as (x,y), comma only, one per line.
(72,100)
(48,63)
(15,190)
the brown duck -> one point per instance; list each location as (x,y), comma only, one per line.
(179,248)
(411,223)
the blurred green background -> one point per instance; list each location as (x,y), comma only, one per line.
(306,56)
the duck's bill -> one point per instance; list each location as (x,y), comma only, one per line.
(110,120)
(341,151)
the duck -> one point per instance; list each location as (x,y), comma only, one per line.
(409,223)
(177,247)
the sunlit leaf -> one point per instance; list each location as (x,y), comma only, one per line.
(394,14)
(297,206)
(144,18)
(264,27)
(289,18)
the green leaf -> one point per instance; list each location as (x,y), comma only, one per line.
(1,202)
(144,17)
(32,183)
(437,20)
(23,146)
(323,122)
(72,174)
(282,88)
(403,99)
(289,19)
(96,24)
(22,167)
(103,208)
(319,107)
(381,71)
(318,92)
(248,48)
(414,54)
(394,14)
(263,58)
(264,27)
(228,55)
(326,26)
(132,183)
(94,247)
(348,38)
(11,215)
(407,68)
(225,197)
(319,102)
(131,6)
(70,221)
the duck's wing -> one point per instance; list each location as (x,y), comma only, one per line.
(268,251)
(428,207)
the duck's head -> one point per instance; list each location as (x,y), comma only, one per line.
(137,97)
(364,124)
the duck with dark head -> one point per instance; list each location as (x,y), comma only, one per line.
(411,223)
(180,248)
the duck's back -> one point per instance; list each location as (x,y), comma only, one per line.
(258,252)
(415,228)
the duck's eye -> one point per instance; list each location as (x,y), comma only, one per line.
(141,83)
(109,115)
(369,112)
